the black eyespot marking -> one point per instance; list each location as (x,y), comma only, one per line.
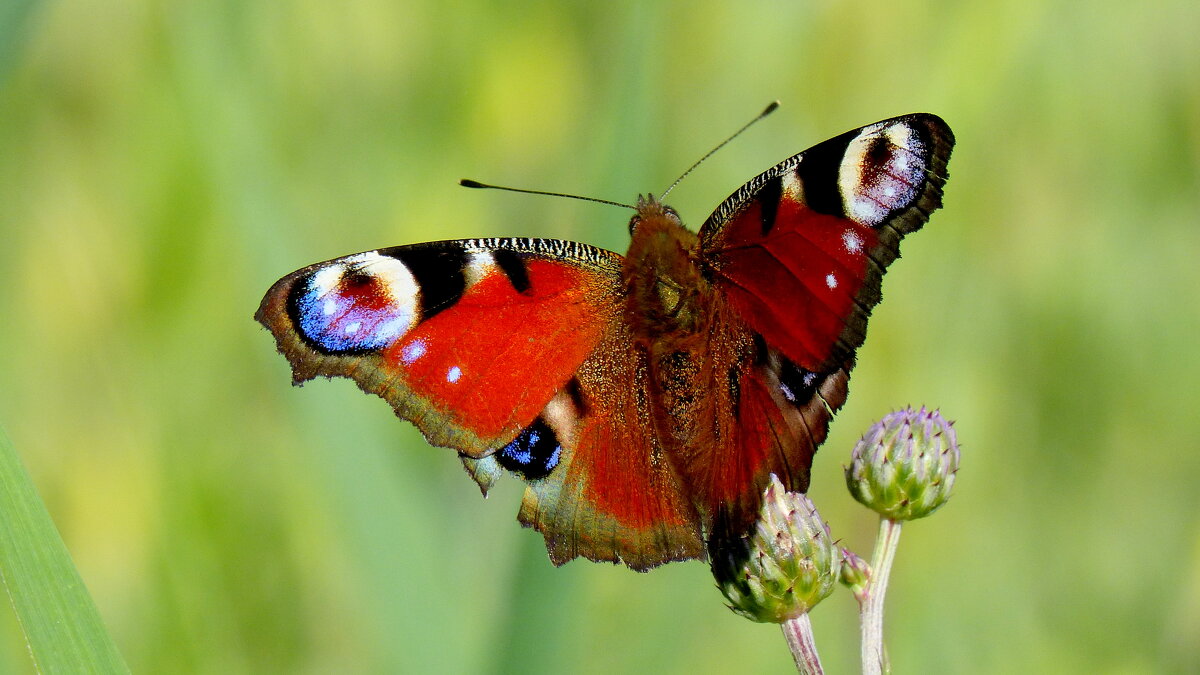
(768,198)
(301,304)
(514,268)
(355,278)
(879,151)
(797,384)
(308,308)
(439,273)
(533,453)
(819,171)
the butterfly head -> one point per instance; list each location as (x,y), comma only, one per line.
(650,209)
(661,276)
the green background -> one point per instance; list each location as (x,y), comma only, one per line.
(162,163)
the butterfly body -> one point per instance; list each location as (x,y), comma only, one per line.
(665,291)
(644,399)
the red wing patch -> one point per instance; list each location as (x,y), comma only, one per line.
(525,314)
(800,250)
(782,416)
(494,362)
(799,282)
(616,495)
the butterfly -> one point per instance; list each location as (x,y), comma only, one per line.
(644,399)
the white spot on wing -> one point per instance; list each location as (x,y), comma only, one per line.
(562,418)
(866,211)
(400,286)
(353,327)
(393,328)
(902,136)
(831,281)
(479,265)
(326,280)
(853,241)
(412,351)
(792,187)
(453,374)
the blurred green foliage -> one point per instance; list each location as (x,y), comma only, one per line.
(162,162)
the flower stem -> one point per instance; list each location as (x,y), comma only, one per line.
(874,658)
(799,635)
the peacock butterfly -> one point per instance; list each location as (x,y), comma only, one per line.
(644,399)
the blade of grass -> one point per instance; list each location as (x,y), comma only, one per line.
(61,625)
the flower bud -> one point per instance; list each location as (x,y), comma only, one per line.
(904,466)
(785,566)
(856,573)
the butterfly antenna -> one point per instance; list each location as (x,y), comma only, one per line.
(467,182)
(766,111)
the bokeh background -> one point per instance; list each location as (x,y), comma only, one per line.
(163,162)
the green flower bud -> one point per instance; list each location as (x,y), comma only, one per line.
(904,466)
(785,566)
(855,574)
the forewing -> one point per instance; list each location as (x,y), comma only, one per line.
(467,339)
(799,252)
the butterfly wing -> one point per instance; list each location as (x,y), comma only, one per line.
(467,339)
(796,257)
(616,496)
(515,353)
(770,417)
(799,252)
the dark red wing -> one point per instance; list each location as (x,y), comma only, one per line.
(796,256)
(768,416)
(800,251)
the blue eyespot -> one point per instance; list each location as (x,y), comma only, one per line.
(533,454)
(347,311)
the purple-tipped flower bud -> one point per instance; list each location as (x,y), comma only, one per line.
(904,466)
(789,562)
(855,574)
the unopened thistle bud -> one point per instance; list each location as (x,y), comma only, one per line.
(856,573)
(904,466)
(786,566)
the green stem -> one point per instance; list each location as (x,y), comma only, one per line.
(799,635)
(874,658)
